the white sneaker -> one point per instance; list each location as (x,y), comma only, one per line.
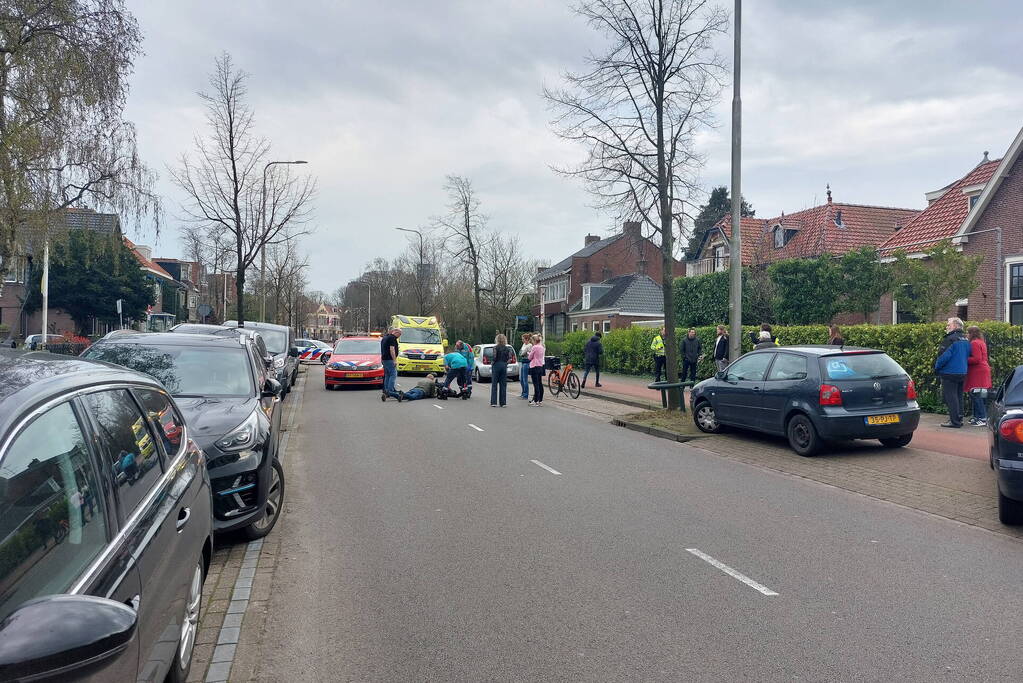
(532,403)
(979,423)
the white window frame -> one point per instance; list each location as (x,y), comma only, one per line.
(607,326)
(556,291)
(586,297)
(575,327)
(1009,262)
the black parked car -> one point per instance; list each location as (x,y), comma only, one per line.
(1005,419)
(232,407)
(812,395)
(105,524)
(202,328)
(280,342)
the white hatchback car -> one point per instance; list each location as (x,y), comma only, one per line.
(485,364)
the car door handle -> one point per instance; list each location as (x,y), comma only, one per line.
(756,388)
(183,515)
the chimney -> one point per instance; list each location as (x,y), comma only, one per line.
(540,269)
(144,251)
(633,229)
(985,158)
(590,239)
(829,193)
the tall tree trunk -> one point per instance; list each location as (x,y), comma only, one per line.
(667,261)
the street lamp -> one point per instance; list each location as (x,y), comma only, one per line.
(422,266)
(262,247)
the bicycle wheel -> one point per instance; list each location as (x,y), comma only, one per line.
(574,387)
(554,383)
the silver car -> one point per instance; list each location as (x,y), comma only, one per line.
(485,364)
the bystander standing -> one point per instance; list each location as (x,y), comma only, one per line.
(592,353)
(978,374)
(950,366)
(721,349)
(692,352)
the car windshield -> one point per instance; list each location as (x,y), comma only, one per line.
(184,370)
(420,335)
(276,340)
(357,347)
(860,366)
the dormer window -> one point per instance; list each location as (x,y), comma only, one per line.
(973,200)
(779,237)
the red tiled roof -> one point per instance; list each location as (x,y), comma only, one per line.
(752,231)
(943,218)
(146,263)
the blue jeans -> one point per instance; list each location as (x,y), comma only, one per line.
(414,394)
(524,377)
(499,384)
(390,377)
(979,407)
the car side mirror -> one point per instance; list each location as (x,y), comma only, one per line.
(271,388)
(293,352)
(62,637)
(720,375)
(328,354)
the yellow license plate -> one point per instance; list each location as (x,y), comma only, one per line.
(882,419)
(354,374)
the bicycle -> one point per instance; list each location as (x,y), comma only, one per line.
(564,379)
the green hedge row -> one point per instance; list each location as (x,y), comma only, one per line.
(913,346)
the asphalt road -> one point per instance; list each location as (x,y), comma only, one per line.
(417,548)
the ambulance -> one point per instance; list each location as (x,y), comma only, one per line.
(421,345)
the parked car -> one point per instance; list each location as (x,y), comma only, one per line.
(231,403)
(101,484)
(200,328)
(313,351)
(1005,420)
(811,395)
(280,342)
(485,364)
(355,360)
(33,341)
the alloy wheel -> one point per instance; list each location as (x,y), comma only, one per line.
(706,419)
(190,624)
(273,502)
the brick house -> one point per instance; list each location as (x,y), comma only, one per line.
(617,303)
(982,214)
(192,280)
(599,261)
(323,324)
(830,228)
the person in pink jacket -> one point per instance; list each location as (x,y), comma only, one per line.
(978,374)
(536,363)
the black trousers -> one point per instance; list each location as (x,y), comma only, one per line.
(952,394)
(659,365)
(455,375)
(586,373)
(537,375)
(688,370)
(499,384)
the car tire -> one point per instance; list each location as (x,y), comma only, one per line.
(1010,512)
(328,387)
(705,419)
(897,441)
(273,506)
(803,436)
(189,628)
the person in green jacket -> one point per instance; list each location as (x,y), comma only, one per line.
(657,346)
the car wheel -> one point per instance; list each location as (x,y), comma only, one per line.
(1010,512)
(897,441)
(803,437)
(705,419)
(272,508)
(189,628)
(328,387)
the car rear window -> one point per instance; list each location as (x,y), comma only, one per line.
(860,366)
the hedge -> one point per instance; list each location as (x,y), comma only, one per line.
(913,346)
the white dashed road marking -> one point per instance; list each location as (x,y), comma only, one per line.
(731,572)
(438,407)
(478,429)
(546,467)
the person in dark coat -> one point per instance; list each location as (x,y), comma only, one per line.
(692,351)
(950,366)
(757,337)
(592,353)
(835,337)
(721,349)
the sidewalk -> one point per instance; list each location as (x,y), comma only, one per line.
(968,442)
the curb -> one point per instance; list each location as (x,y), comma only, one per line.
(657,431)
(634,402)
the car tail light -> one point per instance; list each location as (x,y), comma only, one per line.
(486,361)
(830,395)
(1012,430)
(911,391)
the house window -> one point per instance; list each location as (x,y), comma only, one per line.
(719,258)
(607,326)
(779,237)
(575,327)
(557,291)
(594,325)
(903,315)
(586,297)
(973,200)
(1014,275)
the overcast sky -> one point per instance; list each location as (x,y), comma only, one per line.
(883,99)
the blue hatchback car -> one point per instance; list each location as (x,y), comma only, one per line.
(811,395)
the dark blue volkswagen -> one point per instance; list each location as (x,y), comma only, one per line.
(811,395)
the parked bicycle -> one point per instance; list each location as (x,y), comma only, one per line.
(564,380)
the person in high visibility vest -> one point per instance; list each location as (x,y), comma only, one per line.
(657,346)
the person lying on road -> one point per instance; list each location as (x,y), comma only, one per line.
(425,388)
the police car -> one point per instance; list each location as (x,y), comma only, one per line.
(312,351)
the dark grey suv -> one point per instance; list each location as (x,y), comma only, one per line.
(280,342)
(811,395)
(105,524)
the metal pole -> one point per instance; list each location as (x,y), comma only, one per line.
(422,265)
(44,288)
(735,276)
(543,314)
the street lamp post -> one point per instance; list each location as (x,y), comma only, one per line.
(262,248)
(422,267)
(735,276)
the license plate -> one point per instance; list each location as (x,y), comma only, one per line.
(423,368)
(354,375)
(882,419)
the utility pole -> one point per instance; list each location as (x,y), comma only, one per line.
(421,273)
(735,249)
(44,288)
(262,247)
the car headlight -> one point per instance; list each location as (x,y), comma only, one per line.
(278,363)
(403,354)
(376,366)
(334,366)
(241,437)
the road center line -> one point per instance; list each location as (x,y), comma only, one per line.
(478,429)
(438,407)
(731,572)
(549,469)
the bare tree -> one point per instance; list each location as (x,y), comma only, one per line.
(419,262)
(64,70)
(466,230)
(637,109)
(224,183)
(507,277)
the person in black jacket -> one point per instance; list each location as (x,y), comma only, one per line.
(591,357)
(758,337)
(692,352)
(721,349)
